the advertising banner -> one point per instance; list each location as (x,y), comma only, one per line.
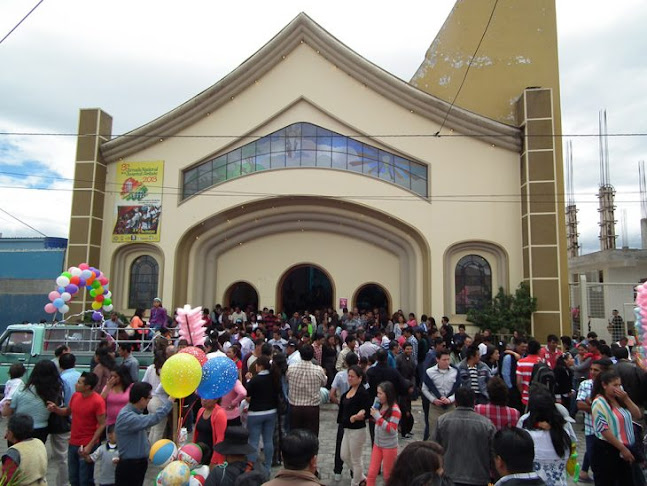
(139,202)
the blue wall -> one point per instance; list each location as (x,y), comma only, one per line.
(28,271)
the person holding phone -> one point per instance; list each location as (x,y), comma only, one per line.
(387,414)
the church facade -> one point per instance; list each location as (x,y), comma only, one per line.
(309,177)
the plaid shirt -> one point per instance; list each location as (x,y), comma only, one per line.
(500,416)
(583,394)
(304,381)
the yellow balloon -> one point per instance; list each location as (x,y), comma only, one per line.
(96,305)
(181,375)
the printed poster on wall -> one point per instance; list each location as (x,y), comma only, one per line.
(139,202)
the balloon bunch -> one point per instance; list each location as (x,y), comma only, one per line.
(191,325)
(640,312)
(74,279)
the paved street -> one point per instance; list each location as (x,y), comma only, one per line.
(328,431)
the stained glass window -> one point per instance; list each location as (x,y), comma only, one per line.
(144,275)
(307,145)
(473,279)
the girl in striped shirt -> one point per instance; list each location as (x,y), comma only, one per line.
(386,414)
(612,412)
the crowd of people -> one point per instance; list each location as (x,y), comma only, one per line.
(492,410)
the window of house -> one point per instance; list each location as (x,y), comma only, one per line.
(473,278)
(144,276)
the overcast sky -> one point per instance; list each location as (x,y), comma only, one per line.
(138,59)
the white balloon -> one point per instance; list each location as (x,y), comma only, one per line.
(75,271)
(62,281)
(108,295)
(64,309)
(66,296)
(107,308)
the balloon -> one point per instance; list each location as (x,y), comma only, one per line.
(176,473)
(53,295)
(103,280)
(96,284)
(97,316)
(84,266)
(62,281)
(163,452)
(107,307)
(71,289)
(85,274)
(66,274)
(107,300)
(60,290)
(75,280)
(58,303)
(81,282)
(197,353)
(75,271)
(64,309)
(181,375)
(108,295)
(219,376)
(49,308)
(65,296)
(93,293)
(90,279)
(96,305)
(190,454)
(99,298)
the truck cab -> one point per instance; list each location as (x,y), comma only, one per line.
(30,343)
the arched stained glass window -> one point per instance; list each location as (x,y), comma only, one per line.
(144,276)
(473,277)
(307,145)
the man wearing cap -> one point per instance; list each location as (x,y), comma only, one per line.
(299,449)
(158,317)
(235,447)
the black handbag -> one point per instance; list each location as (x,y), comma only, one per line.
(58,424)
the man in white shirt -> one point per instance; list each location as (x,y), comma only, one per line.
(439,386)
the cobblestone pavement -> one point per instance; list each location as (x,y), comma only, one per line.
(327,435)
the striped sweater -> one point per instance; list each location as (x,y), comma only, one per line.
(386,430)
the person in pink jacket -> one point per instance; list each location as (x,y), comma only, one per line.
(231,403)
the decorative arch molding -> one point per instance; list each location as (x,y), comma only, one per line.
(226,300)
(198,249)
(494,253)
(359,289)
(288,272)
(122,261)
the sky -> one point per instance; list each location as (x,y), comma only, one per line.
(137,60)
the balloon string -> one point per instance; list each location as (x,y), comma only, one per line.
(179,421)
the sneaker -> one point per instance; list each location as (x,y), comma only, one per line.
(337,477)
(407,436)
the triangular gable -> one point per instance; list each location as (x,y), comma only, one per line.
(304,30)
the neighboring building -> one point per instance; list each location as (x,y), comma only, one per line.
(309,176)
(28,271)
(610,276)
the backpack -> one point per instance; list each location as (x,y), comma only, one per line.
(543,375)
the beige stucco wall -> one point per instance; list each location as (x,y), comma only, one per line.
(349,262)
(474,186)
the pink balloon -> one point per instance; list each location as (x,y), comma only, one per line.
(49,308)
(53,295)
(84,266)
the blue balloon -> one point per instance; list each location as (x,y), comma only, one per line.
(58,303)
(219,376)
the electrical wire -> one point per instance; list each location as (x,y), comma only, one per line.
(21,221)
(469,65)
(21,21)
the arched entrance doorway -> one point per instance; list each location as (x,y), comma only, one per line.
(370,296)
(305,287)
(241,294)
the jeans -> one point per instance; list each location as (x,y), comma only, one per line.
(131,472)
(339,464)
(586,463)
(609,469)
(262,425)
(81,473)
(425,412)
(384,457)
(352,445)
(58,456)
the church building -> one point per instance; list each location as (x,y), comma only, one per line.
(309,177)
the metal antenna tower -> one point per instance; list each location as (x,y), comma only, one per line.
(606,193)
(571,210)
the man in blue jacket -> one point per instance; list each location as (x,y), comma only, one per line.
(132,439)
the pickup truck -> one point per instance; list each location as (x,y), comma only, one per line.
(29,343)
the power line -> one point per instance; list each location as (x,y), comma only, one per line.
(352,135)
(21,221)
(21,21)
(469,65)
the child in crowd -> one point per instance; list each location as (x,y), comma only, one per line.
(106,458)
(14,384)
